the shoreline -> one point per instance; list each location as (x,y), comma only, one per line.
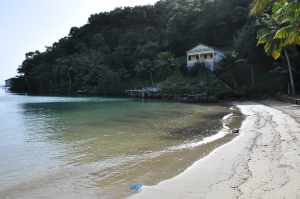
(262,162)
(182,156)
(148,168)
(228,124)
(190,152)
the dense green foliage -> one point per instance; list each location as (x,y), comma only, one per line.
(280,29)
(141,46)
(130,47)
(196,82)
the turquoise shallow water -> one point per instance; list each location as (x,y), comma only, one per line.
(87,144)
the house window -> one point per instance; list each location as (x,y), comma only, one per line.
(208,56)
(197,57)
(190,58)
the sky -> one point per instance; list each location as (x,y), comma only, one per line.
(29,25)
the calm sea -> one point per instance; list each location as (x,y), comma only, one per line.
(93,147)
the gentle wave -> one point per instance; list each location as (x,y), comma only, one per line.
(222,133)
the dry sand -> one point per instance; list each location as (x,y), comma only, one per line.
(262,162)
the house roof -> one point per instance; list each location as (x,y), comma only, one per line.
(200,48)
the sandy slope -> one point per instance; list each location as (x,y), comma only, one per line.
(263,162)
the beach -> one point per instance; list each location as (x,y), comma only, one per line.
(262,162)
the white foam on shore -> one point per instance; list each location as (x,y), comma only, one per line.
(222,133)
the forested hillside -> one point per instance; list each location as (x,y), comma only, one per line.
(135,47)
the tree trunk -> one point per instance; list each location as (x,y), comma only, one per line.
(292,83)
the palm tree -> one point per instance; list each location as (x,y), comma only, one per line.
(280,20)
(259,6)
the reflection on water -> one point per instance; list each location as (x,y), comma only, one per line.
(91,147)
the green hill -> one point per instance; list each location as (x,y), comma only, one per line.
(131,47)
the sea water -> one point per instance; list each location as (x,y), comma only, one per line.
(94,147)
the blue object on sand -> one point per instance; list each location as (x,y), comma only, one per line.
(136,187)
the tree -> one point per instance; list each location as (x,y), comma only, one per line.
(280,28)
(247,51)
(133,46)
(146,67)
(165,65)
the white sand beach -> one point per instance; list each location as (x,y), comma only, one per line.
(262,162)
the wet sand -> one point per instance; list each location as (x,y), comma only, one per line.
(262,162)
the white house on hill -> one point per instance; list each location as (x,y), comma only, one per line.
(204,54)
